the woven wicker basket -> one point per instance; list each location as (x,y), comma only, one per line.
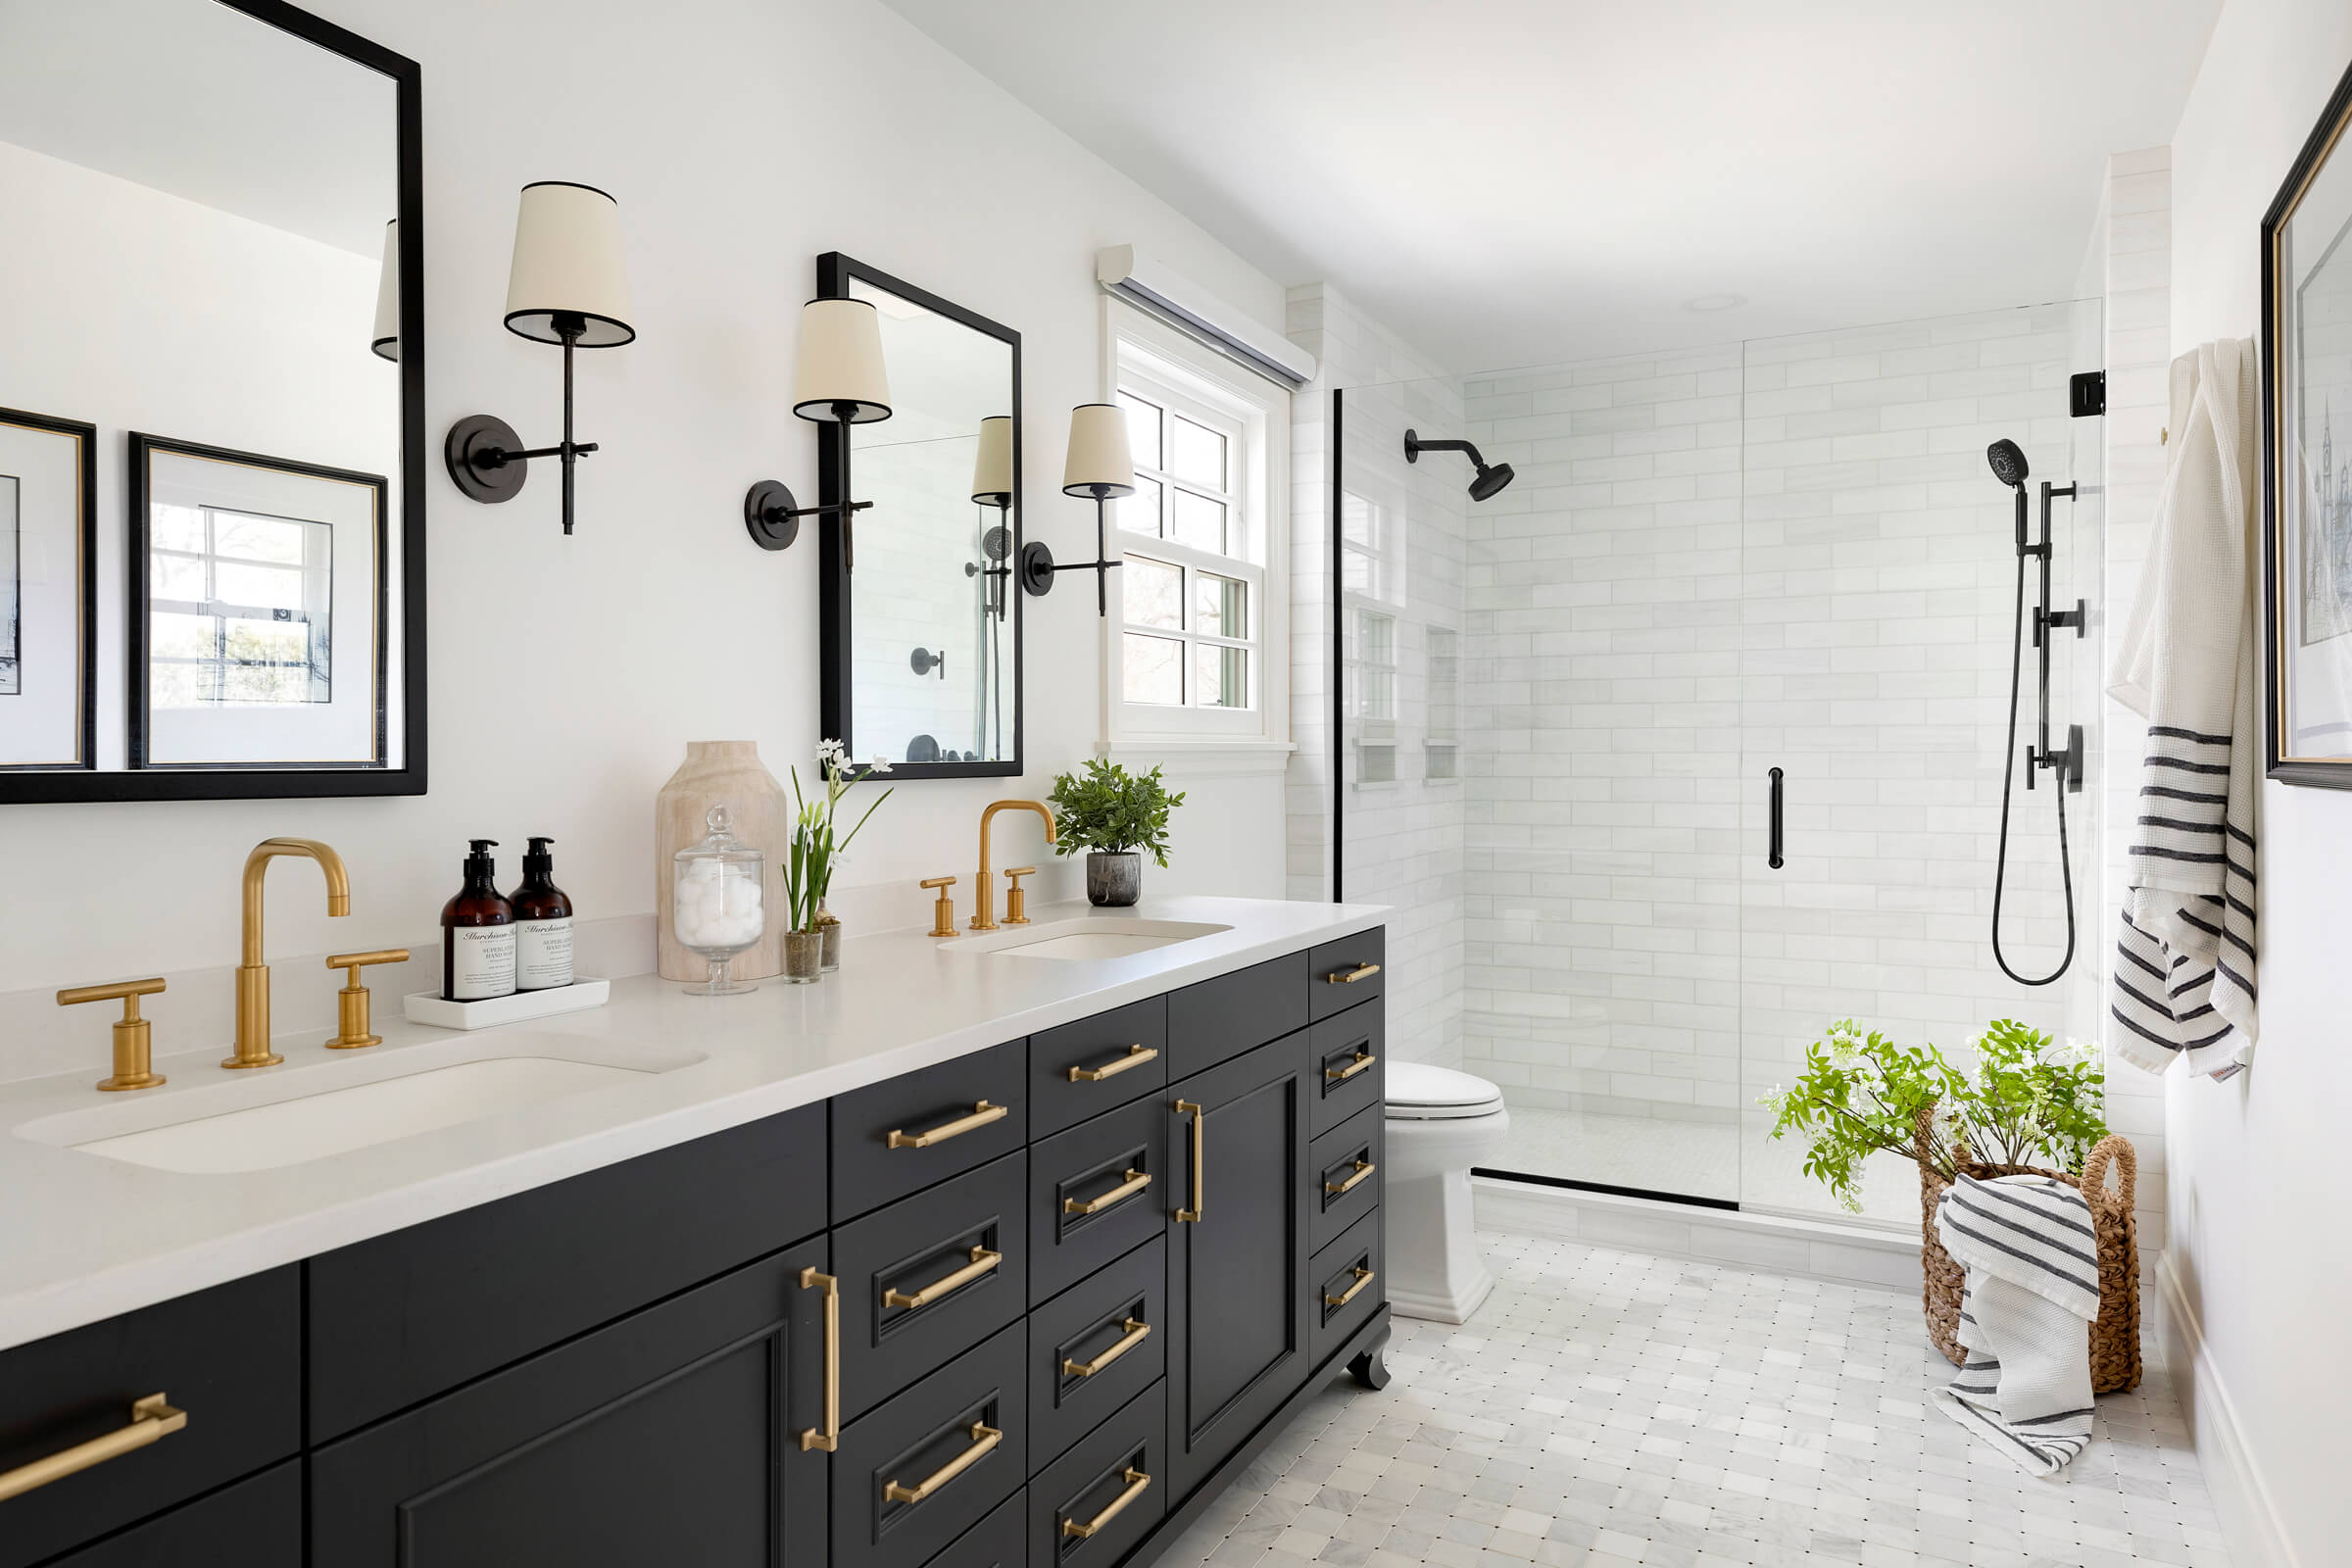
(2114,1334)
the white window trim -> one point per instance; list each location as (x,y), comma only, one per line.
(1244,737)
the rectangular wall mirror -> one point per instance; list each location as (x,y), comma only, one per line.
(922,640)
(212,405)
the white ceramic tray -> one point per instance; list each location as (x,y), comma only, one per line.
(427,1007)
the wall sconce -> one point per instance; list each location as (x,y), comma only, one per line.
(838,379)
(566,286)
(384,342)
(1100,466)
(991,486)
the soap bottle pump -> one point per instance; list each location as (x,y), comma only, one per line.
(542,923)
(477,934)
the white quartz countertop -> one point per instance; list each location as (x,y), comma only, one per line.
(84,1236)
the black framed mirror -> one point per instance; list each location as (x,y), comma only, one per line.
(921,663)
(211,408)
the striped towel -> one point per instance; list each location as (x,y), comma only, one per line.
(2033,1289)
(2182,983)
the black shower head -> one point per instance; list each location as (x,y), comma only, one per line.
(2008,462)
(1490,481)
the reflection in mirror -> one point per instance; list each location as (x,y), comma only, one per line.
(201,253)
(933,631)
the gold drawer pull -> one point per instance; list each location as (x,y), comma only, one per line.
(1363,1059)
(1363,1277)
(985,1439)
(1136,1056)
(1363,1168)
(1137,1484)
(982,1114)
(1352,976)
(829,1438)
(982,1262)
(1200,1115)
(151,1419)
(1136,1182)
(1138,1331)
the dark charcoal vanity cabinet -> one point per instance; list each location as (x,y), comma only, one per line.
(1032,1307)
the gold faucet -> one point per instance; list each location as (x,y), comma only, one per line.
(984,914)
(253,975)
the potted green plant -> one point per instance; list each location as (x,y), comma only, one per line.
(1113,815)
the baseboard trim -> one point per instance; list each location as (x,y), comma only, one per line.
(2241,1502)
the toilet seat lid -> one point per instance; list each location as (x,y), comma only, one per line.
(1419,1092)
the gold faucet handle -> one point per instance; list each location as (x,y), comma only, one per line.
(943,909)
(351,1002)
(134,1041)
(1016,902)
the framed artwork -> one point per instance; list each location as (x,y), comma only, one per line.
(2307,460)
(48,593)
(256,622)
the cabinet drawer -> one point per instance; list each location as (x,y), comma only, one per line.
(255,1524)
(1348,1052)
(917,1288)
(1330,966)
(672,1435)
(1078,1371)
(1221,1018)
(1094,1191)
(1094,1503)
(1348,1157)
(915,1474)
(396,1320)
(1000,1541)
(899,1137)
(1349,1267)
(1118,1055)
(229,1359)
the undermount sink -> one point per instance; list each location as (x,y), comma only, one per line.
(1085,940)
(312,1114)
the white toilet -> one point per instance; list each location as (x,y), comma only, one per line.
(1440,1123)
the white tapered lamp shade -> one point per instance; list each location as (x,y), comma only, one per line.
(992,472)
(568,268)
(838,374)
(385,340)
(1098,465)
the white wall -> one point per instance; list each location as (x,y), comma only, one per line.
(742,137)
(2258,1176)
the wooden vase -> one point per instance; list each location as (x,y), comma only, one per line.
(725,773)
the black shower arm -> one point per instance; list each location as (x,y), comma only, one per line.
(1419,445)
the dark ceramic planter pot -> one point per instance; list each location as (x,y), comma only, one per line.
(1113,881)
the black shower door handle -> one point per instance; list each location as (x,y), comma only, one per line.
(1773,858)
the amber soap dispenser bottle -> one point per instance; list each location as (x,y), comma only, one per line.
(477,934)
(542,923)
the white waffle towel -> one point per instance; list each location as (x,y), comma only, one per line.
(2033,1289)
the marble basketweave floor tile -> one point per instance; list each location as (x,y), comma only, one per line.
(1612,1408)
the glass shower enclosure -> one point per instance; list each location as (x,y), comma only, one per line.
(1691,740)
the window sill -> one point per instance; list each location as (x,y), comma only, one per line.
(1199,756)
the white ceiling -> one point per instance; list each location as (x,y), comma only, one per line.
(1516,181)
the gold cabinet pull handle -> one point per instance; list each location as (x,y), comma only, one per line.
(1136,1056)
(1138,1331)
(1137,1484)
(1363,1168)
(1351,976)
(982,1114)
(985,1439)
(151,1420)
(982,1260)
(1200,1115)
(1136,1182)
(829,1437)
(1363,1277)
(1363,1059)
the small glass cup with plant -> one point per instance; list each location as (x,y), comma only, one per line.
(812,941)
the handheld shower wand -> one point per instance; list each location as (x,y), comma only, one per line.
(2008,464)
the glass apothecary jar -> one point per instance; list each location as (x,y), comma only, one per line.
(716,904)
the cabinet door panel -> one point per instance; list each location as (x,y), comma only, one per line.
(672,1435)
(1238,1316)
